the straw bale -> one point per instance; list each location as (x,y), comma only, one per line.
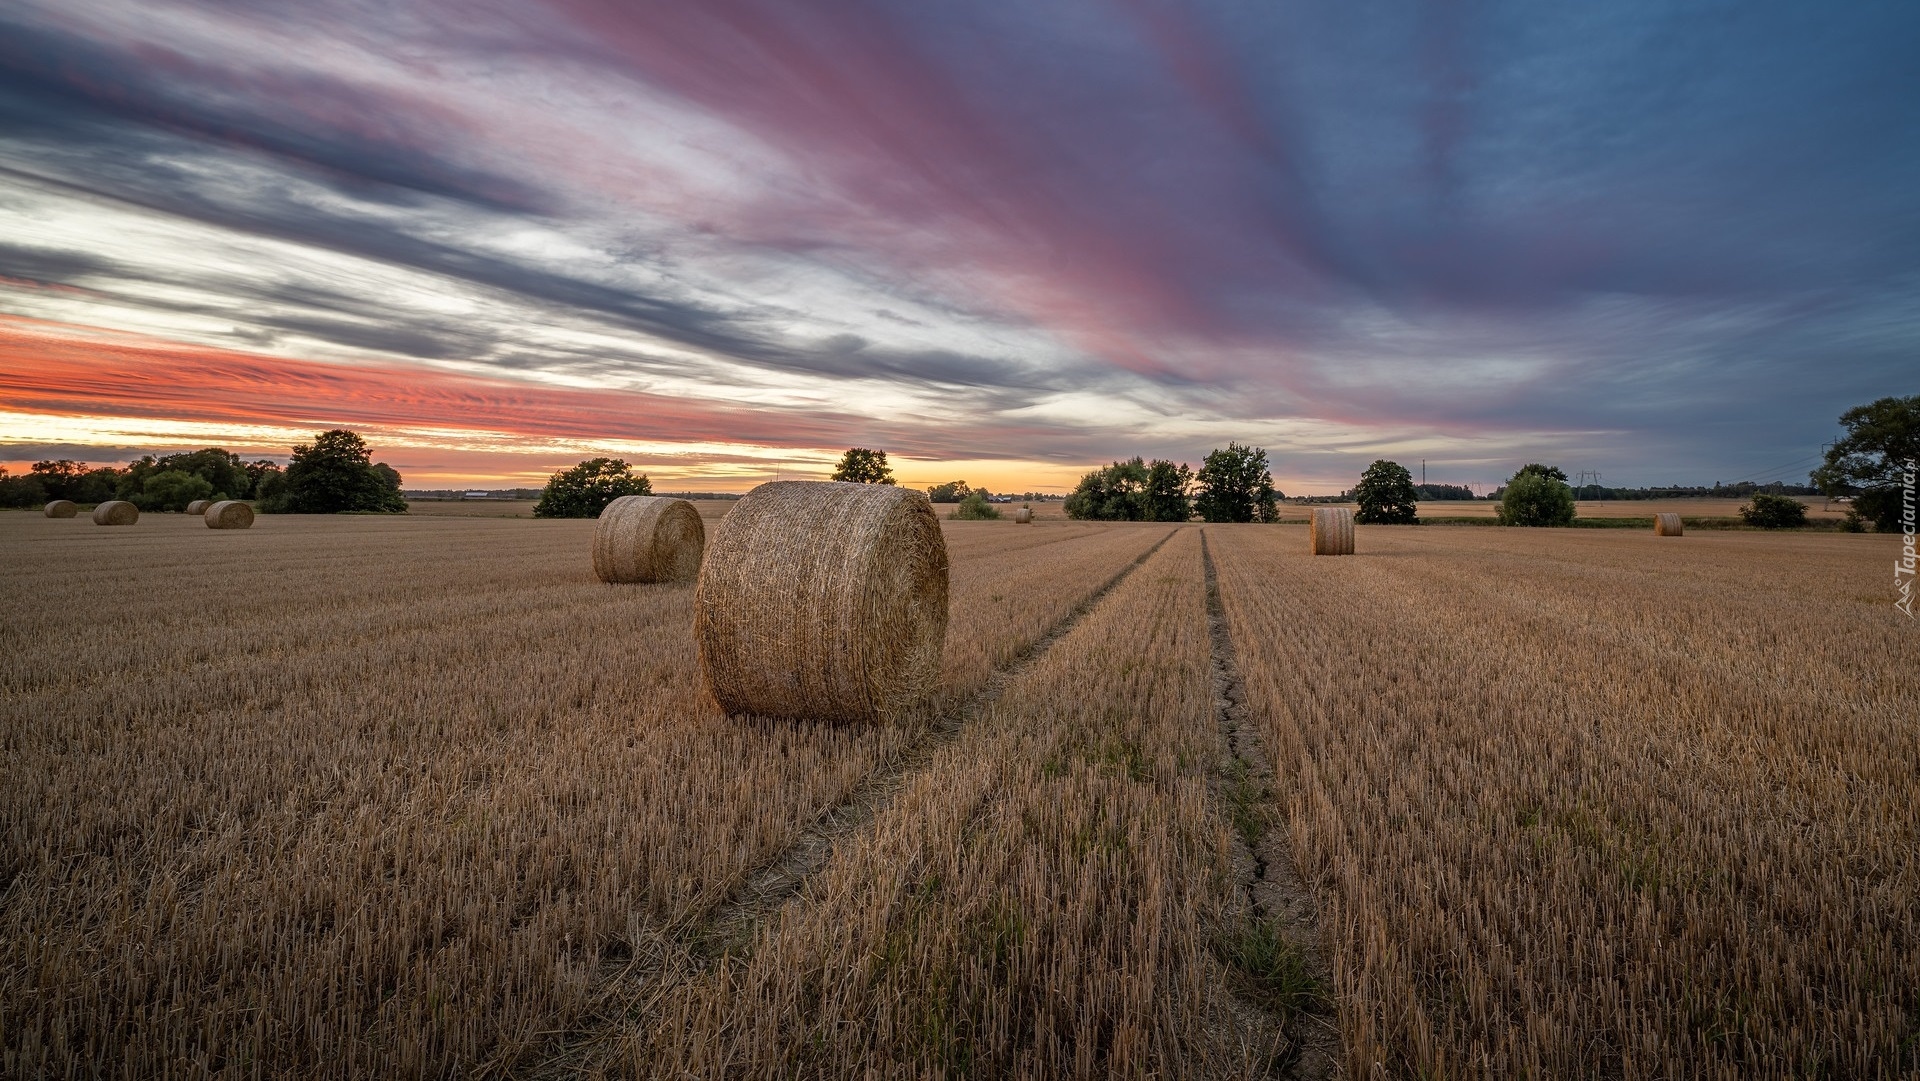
(62,508)
(823,600)
(229,514)
(199,506)
(1332,531)
(1023,516)
(116,512)
(645,538)
(1667,524)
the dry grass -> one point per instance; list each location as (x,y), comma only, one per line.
(1591,805)
(396,828)
(1038,902)
(404,796)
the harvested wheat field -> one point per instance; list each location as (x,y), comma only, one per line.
(422,797)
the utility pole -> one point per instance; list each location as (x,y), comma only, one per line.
(1423,472)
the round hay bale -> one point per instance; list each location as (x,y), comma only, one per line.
(645,538)
(1332,531)
(62,508)
(116,512)
(1667,524)
(823,600)
(229,514)
(199,506)
(1023,516)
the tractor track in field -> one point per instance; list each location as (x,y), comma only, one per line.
(1264,1040)
(631,988)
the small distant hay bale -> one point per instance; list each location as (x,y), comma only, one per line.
(62,508)
(1023,516)
(824,601)
(1667,524)
(229,514)
(1332,531)
(199,506)
(116,512)
(645,538)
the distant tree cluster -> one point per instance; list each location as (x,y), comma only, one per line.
(586,489)
(975,508)
(1231,485)
(1386,495)
(333,474)
(1537,495)
(336,472)
(1770,511)
(859,465)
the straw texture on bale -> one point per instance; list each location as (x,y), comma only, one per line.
(1332,531)
(1023,516)
(116,512)
(229,514)
(824,601)
(1667,524)
(199,506)
(646,538)
(62,508)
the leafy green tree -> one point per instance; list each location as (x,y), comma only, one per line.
(27,491)
(975,508)
(1535,469)
(66,479)
(1233,485)
(1165,495)
(1882,443)
(221,469)
(261,473)
(586,489)
(1116,493)
(170,490)
(335,473)
(862,466)
(952,491)
(1770,511)
(1535,498)
(1386,495)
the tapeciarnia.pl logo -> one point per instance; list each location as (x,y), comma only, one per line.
(1904,566)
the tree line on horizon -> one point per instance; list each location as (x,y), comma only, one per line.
(1872,467)
(334,473)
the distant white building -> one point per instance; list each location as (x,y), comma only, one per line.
(477,495)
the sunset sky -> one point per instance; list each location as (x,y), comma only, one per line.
(1002,240)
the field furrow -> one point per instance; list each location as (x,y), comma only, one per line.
(1042,901)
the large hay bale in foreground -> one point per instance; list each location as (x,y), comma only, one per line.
(229,514)
(646,538)
(823,600)
(62,508)
(1332,531)
(1023,516)
(1667,524)
(199,506)
(116,512)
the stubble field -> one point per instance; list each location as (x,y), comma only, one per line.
(421,797)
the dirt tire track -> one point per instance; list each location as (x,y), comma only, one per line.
(1305,1045)
(630,988)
